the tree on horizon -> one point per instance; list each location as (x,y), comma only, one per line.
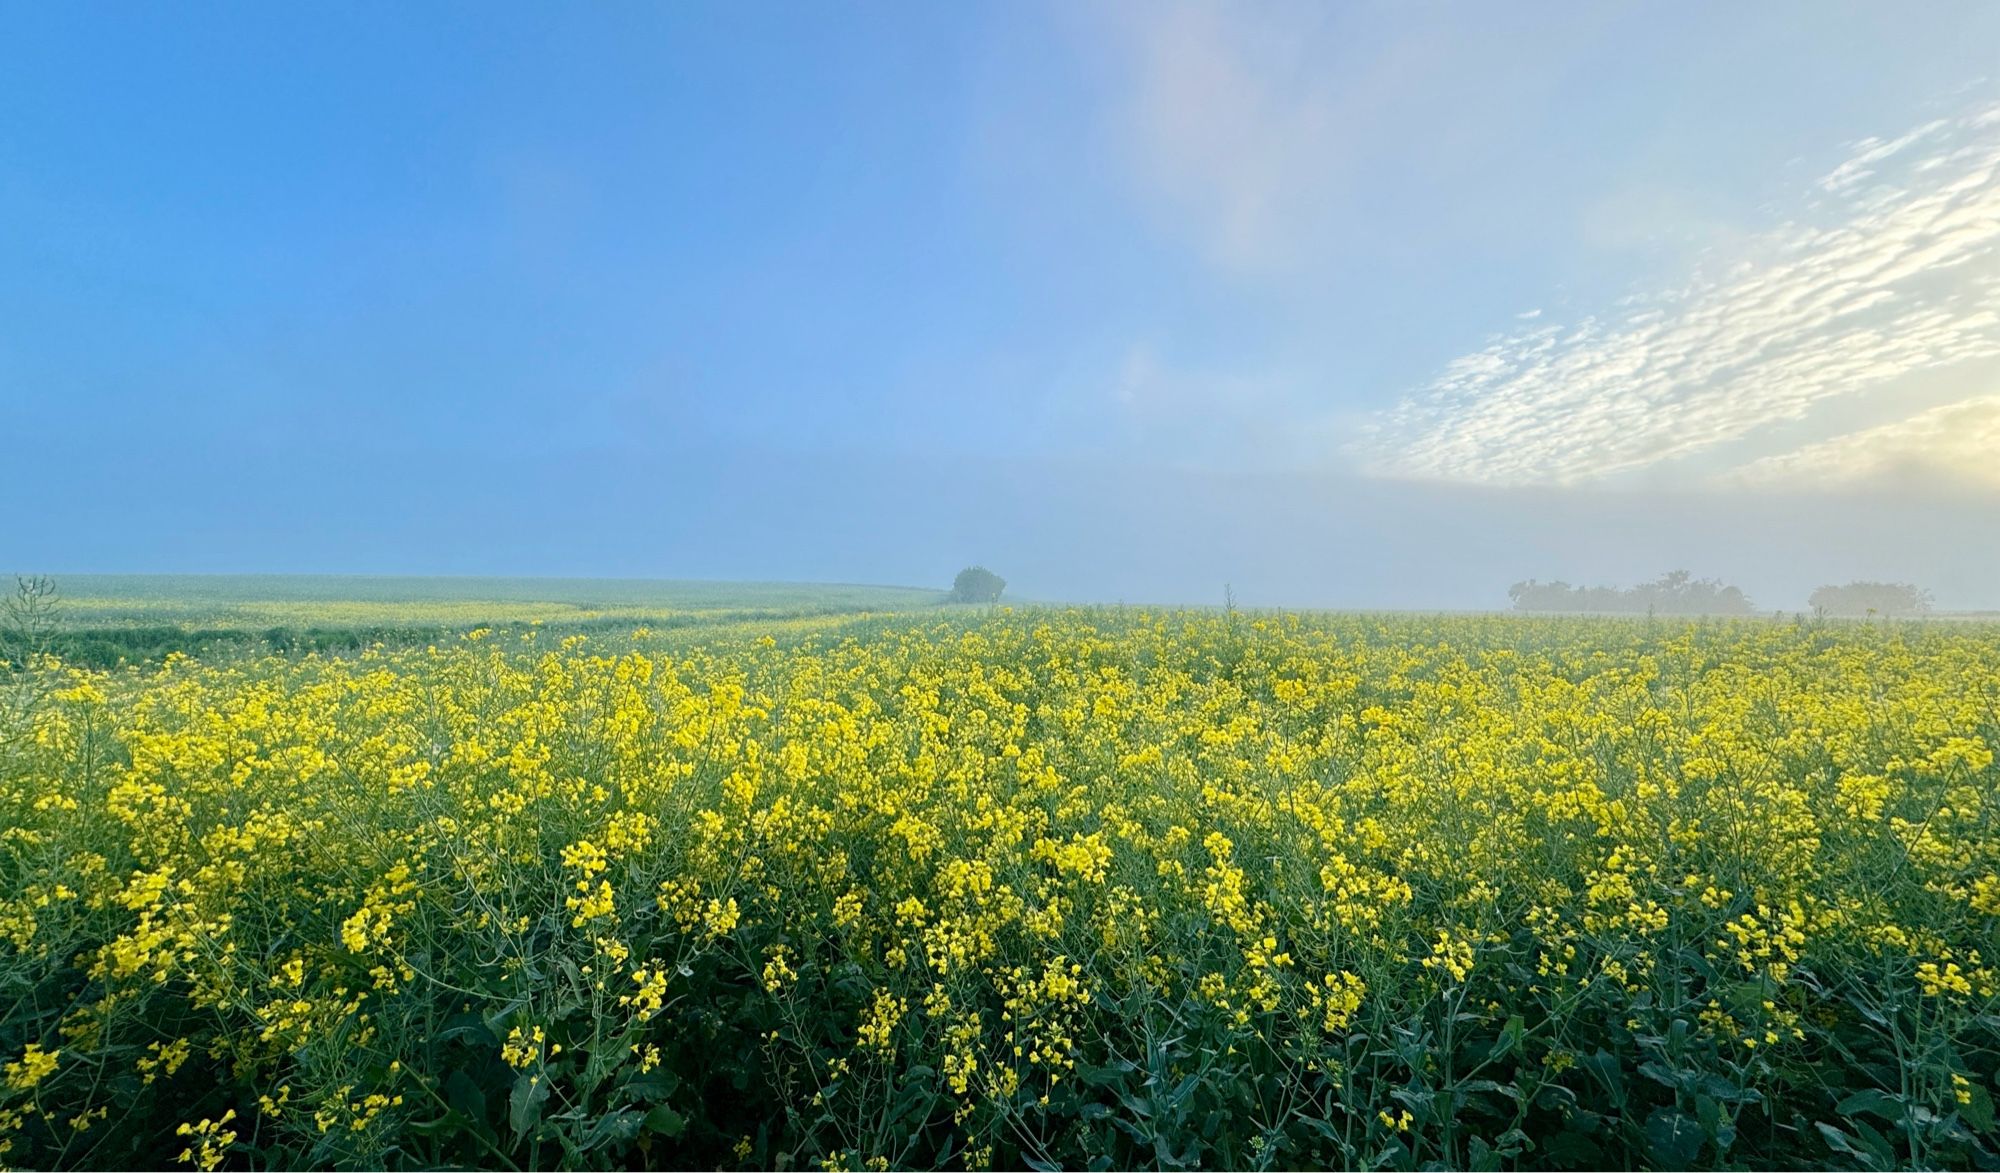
(1871,598)
(976,584)
(1676,592)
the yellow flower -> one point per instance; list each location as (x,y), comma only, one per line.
(211,1141)
(592,905)
(34,1066)
(878,1025)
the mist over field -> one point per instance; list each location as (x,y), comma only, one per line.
(1061,531)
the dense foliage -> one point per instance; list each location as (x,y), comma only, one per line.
(1081,889)
(1675,593)
(1871,598)
(976,584)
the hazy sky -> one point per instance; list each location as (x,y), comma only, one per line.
(1341,304)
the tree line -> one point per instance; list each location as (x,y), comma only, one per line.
(1680,593)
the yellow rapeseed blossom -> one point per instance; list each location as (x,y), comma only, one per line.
(1026,864)
(34,1066)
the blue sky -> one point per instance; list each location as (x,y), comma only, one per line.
(1131,300)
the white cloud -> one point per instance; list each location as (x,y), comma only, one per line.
(1870,151)
(1897,284)
(1955,443)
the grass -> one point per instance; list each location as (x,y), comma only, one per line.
(109,620)
(258,600)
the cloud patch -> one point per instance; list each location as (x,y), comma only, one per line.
(1958,443)
(1892,282)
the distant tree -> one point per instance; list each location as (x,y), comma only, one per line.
(1675,593)
(1545,596)
(976,584)
(1679,593)
(1871,598)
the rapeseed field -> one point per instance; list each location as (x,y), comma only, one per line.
(1032,888)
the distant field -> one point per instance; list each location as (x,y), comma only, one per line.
(108,620)
(264,600)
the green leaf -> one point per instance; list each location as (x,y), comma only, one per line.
(1658,1073)
(445,1122)
(1610,1072)
(1727,1092)
(1715,1123)
(651,1087)
(665,1122)
(464,1095)
(465,1026)
(1869,1153)
(621,1125)
(1489,1085)
(524,1106)
(1675,1136)
(1879,1103)
(1837,1140)
(1879,1149)
(1573,1150)
(915,1097)
(1106,1074)
(1979,1111)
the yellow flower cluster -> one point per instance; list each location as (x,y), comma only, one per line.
(1001,847)
(31,1068)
